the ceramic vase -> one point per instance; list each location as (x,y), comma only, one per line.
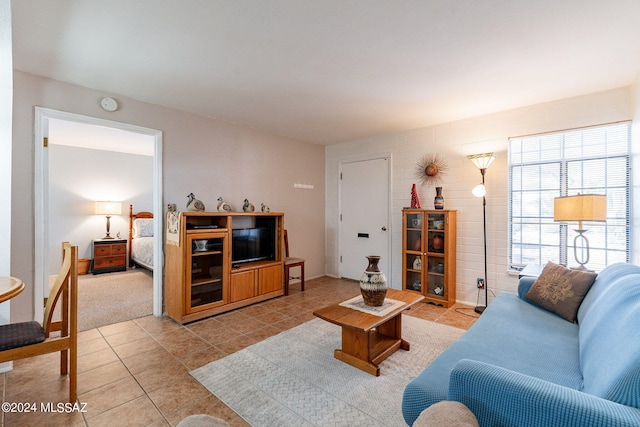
(437,243)
(417,244)
(373,284)
(438,201)
(415,201)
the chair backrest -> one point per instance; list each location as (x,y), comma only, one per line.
(286,244)
(66,285)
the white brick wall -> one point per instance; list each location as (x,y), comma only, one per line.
(455,141)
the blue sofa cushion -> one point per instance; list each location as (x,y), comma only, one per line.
(609,335)
(500,397)
(561,290)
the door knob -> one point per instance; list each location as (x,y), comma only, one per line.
(384,228)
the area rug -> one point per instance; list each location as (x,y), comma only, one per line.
(292,379)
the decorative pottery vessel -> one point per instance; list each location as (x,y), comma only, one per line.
(373,284)
(437,243)
(200,245)
(415,201)
(438,201)
(417,244)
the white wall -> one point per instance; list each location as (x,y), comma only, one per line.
(6,98)
(202,155)
(455,141)
(80,176)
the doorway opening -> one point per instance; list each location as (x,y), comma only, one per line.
(44,121)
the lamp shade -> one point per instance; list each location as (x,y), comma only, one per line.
(581,207)
(482,161)
(479,190)
(108,208)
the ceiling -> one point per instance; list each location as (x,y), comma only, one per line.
(328,71)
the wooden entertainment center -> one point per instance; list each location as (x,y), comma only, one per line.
(207,275)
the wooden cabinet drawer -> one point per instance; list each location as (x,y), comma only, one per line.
(118,249)
(109,261)
(102,250)
(107,250)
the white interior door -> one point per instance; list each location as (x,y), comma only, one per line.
(364,216)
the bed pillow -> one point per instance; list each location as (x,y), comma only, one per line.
(561,290)
(143,227)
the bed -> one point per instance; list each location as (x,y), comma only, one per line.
(140,239)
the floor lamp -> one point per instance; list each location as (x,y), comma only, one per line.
(482,162)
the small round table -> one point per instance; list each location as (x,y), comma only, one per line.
(10,287)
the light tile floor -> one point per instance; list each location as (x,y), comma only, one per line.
(136,373)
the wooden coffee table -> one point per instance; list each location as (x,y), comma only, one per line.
(368,339)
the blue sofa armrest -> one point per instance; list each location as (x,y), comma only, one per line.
(524,285)
(500,397)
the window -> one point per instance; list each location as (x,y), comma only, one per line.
(594,160)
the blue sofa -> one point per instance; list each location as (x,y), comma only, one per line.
(520,365)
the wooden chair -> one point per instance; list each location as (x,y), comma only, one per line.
(28,339)
(289,263)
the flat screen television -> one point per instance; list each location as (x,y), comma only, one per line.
(252,244)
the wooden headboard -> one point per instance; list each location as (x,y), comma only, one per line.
(133,216)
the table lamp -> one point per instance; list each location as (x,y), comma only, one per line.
(581,207)
(108,209)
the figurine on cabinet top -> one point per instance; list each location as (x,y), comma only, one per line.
(194,205)
(223,206)
(247,206)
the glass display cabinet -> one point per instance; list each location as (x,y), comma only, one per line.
(429,254)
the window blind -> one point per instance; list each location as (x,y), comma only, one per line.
(592,160)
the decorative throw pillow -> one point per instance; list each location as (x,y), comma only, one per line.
(142,227)
(561,290)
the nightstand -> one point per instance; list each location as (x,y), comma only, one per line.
(109,255)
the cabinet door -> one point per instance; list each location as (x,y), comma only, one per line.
(243,285)
(269,279)
(414,251)
(206,271)
(435,259)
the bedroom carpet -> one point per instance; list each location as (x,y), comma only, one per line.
(292,379)
(105,299)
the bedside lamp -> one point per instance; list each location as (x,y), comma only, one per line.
(581,207)
(108,209)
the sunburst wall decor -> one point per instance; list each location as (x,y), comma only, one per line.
(431,168)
